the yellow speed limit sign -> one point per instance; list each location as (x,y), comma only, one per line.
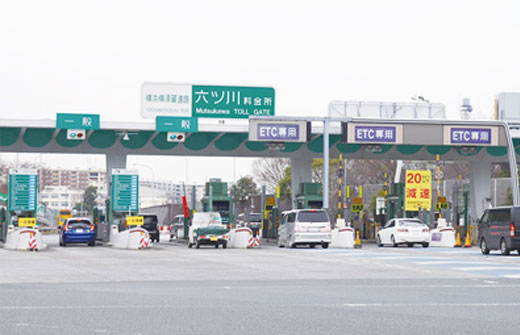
(26,222)
(418,190)
(134,220)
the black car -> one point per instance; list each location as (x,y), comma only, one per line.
(499,229)
(151,225)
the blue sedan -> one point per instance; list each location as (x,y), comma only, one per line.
(78,230)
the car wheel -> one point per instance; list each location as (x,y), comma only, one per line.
(425,245)
(312,246)
(224,245)
(197,245)
(504,250)
(325,245)
(190,245)
(378,241)
(280,245)
(393,241)
(483,247)
(92,244)
(410,245)
(216,246)
(292,246)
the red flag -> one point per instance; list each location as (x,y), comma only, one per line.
(185,207)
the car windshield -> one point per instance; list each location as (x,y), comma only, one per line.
(410,223)
(79,224)
(256,217)
(210,218)
(313,216)
(150,219)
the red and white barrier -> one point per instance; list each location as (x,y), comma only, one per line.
(133,238)
(238,238)
(254,241)
(343,238)
(19,238)
(164,229)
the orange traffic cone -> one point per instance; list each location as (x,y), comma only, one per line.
(467,242)
(457,241)
(357,245)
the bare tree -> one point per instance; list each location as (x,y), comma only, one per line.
(269,171)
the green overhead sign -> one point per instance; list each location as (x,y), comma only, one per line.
(125,191)
(177,124)
(232,101)
(23,188)
(77,121)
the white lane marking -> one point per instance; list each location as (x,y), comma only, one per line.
(22,324)
(227,287)
(515,276)
(462,304)
(444,262)
(101,331)
(486,268)
(490,282)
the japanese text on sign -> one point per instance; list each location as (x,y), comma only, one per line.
(374,134)
(281,132)
(418,190)
(470,136)
(232,102)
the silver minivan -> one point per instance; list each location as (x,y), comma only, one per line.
(304,227)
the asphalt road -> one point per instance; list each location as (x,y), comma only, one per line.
(171,289)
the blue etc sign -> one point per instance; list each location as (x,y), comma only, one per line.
(279,131)
(375,134)
(470,135)
(372,133)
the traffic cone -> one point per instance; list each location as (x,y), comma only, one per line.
(467,242)
(457,241)
(357,245)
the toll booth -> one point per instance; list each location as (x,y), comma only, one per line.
(310,195)
(100,224)
(395,201)
(270,203)
(216,199)
(273,223)
(3,223)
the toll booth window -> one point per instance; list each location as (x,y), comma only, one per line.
(313,216)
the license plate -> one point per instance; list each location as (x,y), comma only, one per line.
(79,230)
(213,238)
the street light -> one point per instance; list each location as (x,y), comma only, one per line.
(153,179)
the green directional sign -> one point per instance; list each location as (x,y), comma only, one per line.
(177,124)
(232,101)
(3,197)
(23,189)
(77,121)
(125,191)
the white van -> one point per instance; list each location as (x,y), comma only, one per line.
(304,227)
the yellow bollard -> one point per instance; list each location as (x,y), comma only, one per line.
(457,241)
(467,242)
(357,245)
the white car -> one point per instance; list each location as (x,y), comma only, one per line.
(304,227)
(404,231)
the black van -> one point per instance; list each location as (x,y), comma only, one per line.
(499,229)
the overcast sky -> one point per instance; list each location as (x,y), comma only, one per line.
(93,56)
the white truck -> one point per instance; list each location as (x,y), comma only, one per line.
(207,229)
